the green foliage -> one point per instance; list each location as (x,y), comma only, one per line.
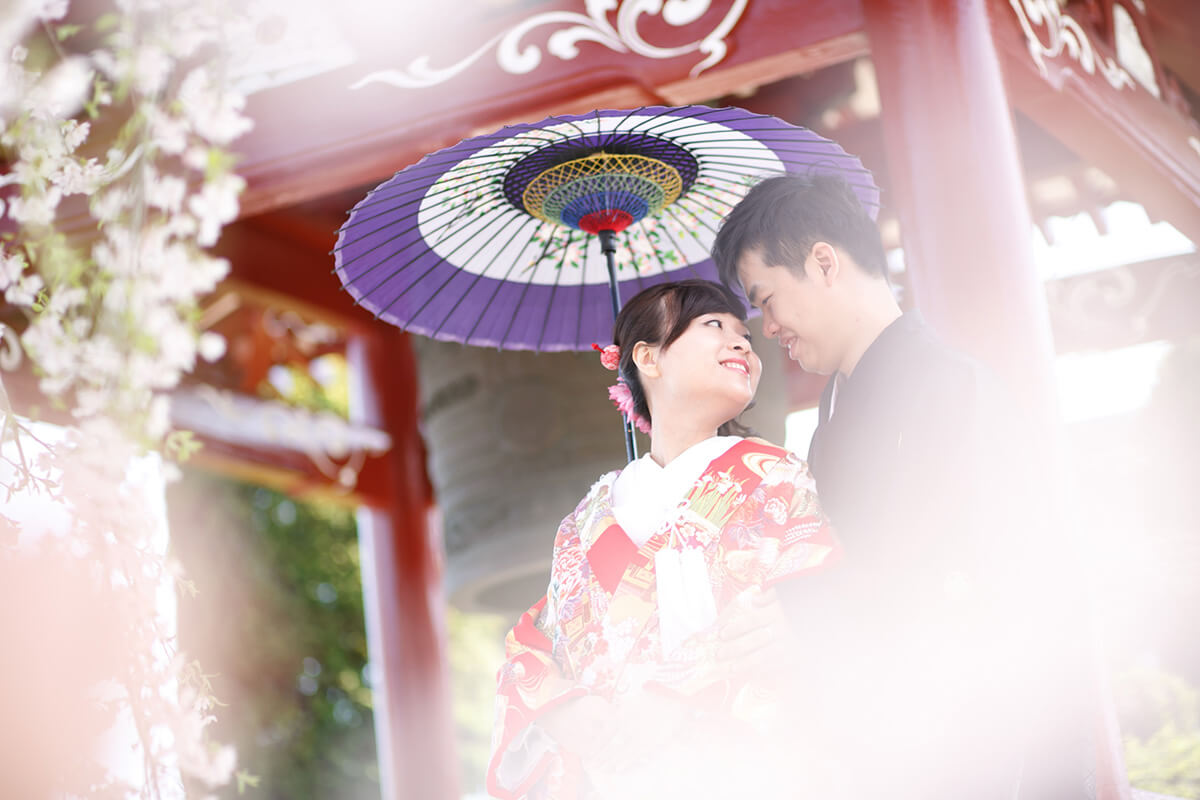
(1162,745)
(280,617)
(182,445)
(1167,763)
(476,651)
(329,393)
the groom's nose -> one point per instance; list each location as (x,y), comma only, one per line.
(770,326)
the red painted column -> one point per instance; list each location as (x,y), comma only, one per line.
(957,189)
(402,587)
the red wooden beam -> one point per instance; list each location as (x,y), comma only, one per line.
(1150,149)
(318,135)
(283,259)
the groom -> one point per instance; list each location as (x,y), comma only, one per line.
(915,675)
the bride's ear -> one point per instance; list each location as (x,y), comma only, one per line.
(645,358)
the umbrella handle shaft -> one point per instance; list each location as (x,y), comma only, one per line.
(608,246)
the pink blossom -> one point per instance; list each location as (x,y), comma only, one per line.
(622,398)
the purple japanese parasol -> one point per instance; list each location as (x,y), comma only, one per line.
(509,240)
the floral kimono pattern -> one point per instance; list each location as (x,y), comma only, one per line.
(753,515)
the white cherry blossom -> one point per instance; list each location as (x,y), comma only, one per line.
(109,323)
(216,205)
(214,112)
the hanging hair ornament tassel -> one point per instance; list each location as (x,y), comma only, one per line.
(619,392)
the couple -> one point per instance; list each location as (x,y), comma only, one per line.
(712,629)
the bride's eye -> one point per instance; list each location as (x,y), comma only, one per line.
(713,321)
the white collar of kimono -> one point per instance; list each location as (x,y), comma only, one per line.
(645,493)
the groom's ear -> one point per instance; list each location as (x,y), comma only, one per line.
(645,358)
(828,263)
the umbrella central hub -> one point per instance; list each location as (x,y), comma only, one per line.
(614,220)
(602,191)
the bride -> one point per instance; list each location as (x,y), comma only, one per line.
(611,687)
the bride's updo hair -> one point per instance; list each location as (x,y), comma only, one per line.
(658,316)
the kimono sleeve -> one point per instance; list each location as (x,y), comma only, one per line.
(530,683)
(796,535)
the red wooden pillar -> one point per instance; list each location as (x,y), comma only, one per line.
(957,189)
(402,585)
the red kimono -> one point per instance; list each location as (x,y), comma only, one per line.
(753,519)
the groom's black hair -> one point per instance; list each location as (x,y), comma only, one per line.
(786,215)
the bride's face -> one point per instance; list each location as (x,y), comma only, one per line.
(712,363)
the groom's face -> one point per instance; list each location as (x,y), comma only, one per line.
(794,309)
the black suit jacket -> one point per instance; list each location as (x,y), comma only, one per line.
(915,647)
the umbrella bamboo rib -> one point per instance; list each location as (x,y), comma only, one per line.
(442,259)
(637,276)
(656,122)
(683,224)
(478,276)
(713,162)
(415,226)
(679,204)
(749,146)
(716,170)
(553,293)
(411,261)
(524,290)
(579,313)
(667,231)
(392,209)
(481,167)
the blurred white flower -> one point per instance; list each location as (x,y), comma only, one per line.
(111,339)
(62,91)
(65,300)
(158,420)
(101,359)
(11,267)
(24,291)
(107,204)
(165,192)
(80,177)
(216,205)
(151,68)
(37,209)
(196,158)
(169,132)
(214,112)
(75,133)
(212,346)
(52,10)
(91,401)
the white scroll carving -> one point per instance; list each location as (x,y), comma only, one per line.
(1063,34)
(336,447)
(1131,52)
(593,26)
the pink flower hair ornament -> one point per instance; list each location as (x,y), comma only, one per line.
(623,399)
(610,356)
(619,392)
